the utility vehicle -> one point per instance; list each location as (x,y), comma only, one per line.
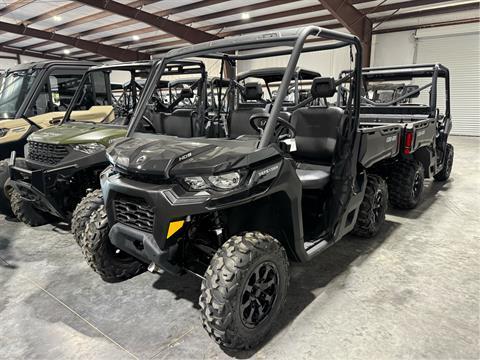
(33,96)
(234,209)
(63,163)
(416,97)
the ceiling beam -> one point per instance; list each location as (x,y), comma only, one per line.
(354,21)
(292,23)
(428,25)
(196,5)
(26,52)
(109,51)
(62,9)
(181,31)
(14,6)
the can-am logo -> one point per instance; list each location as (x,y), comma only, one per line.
(185,157)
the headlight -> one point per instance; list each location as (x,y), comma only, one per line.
(196,182)
(89,148)
(225,181)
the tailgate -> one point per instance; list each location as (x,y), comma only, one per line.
(378,142)
(423,133)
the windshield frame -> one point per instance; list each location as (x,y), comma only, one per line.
(25,98)
(221,49)
(113,67)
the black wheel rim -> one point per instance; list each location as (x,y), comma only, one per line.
(259,294)
(377,205)
(417,185)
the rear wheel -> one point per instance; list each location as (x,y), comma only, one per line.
(447,165)
(82,213)
(26,212)
(244,290)
(405,184)
(103,257)
(372,211)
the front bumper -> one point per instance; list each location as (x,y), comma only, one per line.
(141,213)
(39,184)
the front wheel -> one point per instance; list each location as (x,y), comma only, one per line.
(371,215)
(244,290)
(5,188)
(104,258)
(82,213)
(26,212)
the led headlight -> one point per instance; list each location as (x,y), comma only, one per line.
(226,181)
(196,182)
(89,148)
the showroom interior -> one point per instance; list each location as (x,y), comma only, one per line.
(215,179)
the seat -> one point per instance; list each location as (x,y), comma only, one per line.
(179,123)
(318,130)
(240,120)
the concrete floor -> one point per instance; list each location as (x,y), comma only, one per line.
(412,292)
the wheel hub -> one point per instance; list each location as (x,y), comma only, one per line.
(259,294)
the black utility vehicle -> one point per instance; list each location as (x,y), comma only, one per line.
(417,98)
(235,209)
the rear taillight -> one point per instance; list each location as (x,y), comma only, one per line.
(408,143)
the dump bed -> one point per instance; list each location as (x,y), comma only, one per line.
(379,142)
(422,127)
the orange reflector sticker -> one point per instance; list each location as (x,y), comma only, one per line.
(174,227)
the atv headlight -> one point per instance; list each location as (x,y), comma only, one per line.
(89,148)
(196,182)
(226,181)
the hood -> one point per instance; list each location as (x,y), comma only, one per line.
(79,133)
(168,156)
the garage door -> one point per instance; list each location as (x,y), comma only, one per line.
(460,53)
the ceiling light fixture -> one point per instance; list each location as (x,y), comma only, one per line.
(57,18)
(245,16)
(135,37)
(66,52)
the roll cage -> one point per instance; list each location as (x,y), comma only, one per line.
(224,50)
(407,73)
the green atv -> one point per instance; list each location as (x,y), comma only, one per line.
(34,96)
(62,164)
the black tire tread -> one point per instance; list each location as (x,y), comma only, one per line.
(26,212)
(4,201)
(227,268)
(400,180)
(365,226)
(82,213)
(95,251)
(445,173)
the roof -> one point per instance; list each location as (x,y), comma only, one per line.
(123,31)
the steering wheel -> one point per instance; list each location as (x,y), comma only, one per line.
(283,129)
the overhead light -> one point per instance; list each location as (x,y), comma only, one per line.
(245,16)
(57,18)
(66,52)
(135,37)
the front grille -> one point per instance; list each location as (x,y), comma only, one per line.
(46,153)
(134,212)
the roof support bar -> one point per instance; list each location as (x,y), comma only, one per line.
(179,30)
(354,21)
(109,51)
